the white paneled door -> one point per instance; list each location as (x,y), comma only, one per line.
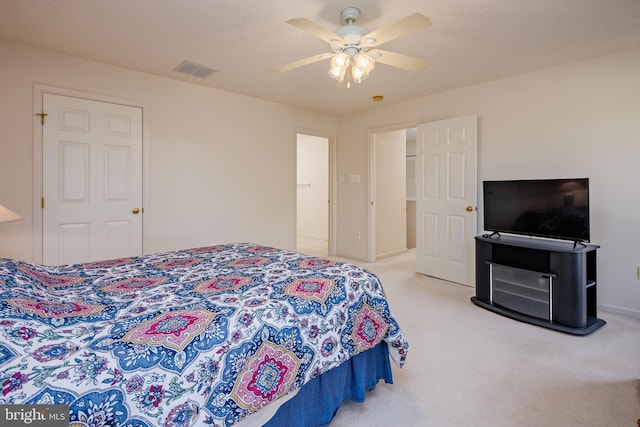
(446,197)
(92,180)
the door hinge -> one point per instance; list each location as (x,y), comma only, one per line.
(42,202)
(42,116)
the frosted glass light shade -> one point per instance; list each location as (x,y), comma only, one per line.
(339,64)
(365,62)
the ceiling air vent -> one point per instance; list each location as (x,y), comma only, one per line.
(193,69)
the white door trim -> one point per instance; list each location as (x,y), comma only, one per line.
(39,89)
(333,182)
(371,254)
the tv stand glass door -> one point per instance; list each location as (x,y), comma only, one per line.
(524,291)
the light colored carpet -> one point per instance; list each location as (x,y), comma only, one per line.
(470,367)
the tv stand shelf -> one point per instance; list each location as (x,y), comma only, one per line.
(543,282)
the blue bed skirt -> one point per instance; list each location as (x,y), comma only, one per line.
(317,402)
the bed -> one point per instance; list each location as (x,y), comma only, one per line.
(236,334)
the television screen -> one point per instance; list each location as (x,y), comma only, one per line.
(555,208)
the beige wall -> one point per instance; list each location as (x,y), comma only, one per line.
(575,120)
(211,156)
(411,191)
(219,167)
(411,224)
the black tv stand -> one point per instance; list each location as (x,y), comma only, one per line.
(543,282)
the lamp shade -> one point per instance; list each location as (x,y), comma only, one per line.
(7,215)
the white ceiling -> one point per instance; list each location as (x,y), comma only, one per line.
(470,41)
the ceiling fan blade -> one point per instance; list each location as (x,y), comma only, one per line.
(398,60)
(302,62)
(315,29)
(400,28)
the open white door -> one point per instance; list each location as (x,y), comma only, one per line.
(446,198)
(92,180)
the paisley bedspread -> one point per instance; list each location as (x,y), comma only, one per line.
(204,336)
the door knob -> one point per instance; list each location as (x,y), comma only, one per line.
(135,210)
(469,208)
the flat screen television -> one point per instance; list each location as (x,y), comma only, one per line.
(552,208)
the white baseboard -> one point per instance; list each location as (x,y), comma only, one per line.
(391,253)
(619,310)
(313,236)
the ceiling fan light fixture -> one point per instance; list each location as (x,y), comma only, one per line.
(338,73)
(340,60)
(351,57)
(358,74)
(365,62)
(339,65)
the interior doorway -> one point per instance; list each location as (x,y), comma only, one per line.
(313,194)
(444,196)
(392,226)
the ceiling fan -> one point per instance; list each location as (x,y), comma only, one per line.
(353,47)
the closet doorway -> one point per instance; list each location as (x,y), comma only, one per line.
(87,177)
(314,194)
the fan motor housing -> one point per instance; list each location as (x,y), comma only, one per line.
(351,32)
(350,14)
